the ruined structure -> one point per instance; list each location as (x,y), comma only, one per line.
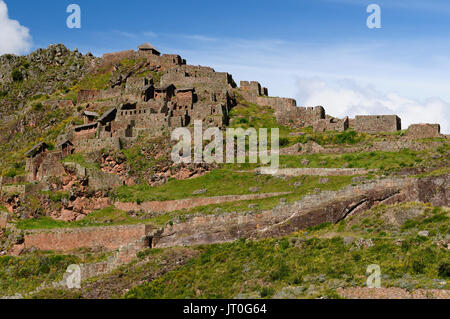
(285,109)
(377,123)
(423,131)
(135,105)
(331,124)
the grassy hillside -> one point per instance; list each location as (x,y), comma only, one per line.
(307,264)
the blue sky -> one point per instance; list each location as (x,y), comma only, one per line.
(317,51)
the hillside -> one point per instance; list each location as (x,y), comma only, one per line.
(87,178)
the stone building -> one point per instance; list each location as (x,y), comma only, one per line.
(66,148)
(423,131)
(377,123)
(89,117)
(165,92)
(147,47)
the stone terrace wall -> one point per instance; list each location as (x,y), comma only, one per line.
(71,239)
(377,123)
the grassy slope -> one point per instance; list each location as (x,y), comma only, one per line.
(314,262)
(306,264)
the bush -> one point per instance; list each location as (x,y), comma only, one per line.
(38,107)
(17,76)
(281,273)
(284,141)
(418,267)
(267,292)
(444,270)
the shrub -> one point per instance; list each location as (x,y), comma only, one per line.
(267,292)
(283,141)
(418,267)
(17,76)
(444,270)
(38,107)
(280,273)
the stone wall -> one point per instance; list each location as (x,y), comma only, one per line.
(189,75)
(93,145)
(112,238)
(331,124)
(377,123)
(185,98)
(4,219)
(50,166)
(98,180)
(32,165)
(416,131)
(85,96)
(14,189)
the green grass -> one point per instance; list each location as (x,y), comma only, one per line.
(317,257)
(97,81)
(105,217)
(314,262)
(246,115)
(254,268)
(24,274)
(349,137)
(111,216)
(218,182)
(369,160)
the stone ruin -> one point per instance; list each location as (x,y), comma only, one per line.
(373,124)
(135,105)
(424,131)
(285,109)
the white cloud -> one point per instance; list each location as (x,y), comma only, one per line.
(14,38)
(345,97)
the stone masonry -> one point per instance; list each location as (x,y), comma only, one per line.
(110,238)
(416,131)
(377,123)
